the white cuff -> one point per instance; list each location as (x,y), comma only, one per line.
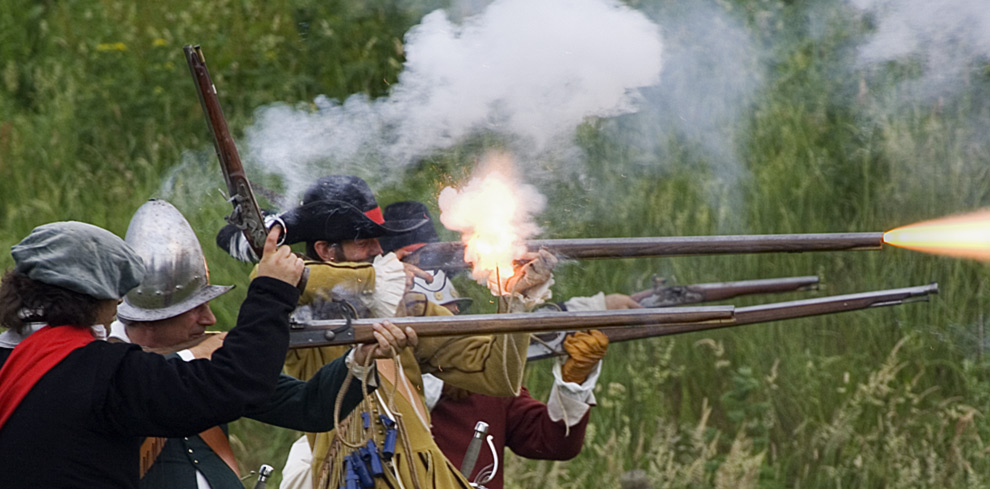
(390,286)
(358,371)
(592,303)
(569,401)
(432,390)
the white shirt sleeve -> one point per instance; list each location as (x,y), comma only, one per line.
(569,401)
(297,473)
(432,390)
(390,286)
(592,303)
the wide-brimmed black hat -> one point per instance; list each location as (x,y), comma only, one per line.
(408,211)
(341,208)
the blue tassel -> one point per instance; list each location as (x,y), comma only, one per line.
(369,453)
(362,471)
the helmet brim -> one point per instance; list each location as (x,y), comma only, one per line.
(129,312)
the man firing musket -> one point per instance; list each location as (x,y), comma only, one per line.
(340,222)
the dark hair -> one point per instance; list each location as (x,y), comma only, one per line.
(311,251)
(337,251)
(24,301)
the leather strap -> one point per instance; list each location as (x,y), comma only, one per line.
(151,448)
(386,369)
(217,440)
(214,438)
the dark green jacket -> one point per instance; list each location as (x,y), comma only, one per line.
(296,405)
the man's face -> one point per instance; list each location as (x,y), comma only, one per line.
(361,250)
(178,329)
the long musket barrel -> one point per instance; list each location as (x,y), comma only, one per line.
(450,255)
(663,295)
(549,345)
(313,333)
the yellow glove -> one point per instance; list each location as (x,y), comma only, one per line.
(585,348)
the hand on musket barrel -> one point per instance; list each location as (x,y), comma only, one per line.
(412,271)
(530,285)
(390,339)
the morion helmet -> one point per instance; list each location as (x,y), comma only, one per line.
(176,279)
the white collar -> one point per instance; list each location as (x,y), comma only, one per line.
(119,331)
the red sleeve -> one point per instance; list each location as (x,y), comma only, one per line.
(532,434)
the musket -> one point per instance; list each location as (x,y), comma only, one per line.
(450,255)
(246,215)
(305,332)
(663,295)
(551,344)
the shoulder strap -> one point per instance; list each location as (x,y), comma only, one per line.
(217,440)
(214,437)
(151,448)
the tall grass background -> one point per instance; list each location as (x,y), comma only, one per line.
(98,114)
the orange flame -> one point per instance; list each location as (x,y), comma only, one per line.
(494,213)
(965,236)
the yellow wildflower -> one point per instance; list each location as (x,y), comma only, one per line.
(111,46)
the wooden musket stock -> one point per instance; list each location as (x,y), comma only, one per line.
(450,255)
(663,295)
(313,333)
(247,215)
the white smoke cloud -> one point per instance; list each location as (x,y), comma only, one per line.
(946,37)
(712,70)
(528,70)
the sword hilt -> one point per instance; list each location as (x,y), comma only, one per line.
(471,455)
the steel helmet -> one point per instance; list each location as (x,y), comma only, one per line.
(441,291)
(176,278)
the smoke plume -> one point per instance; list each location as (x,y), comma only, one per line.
(529,71)
(945,37)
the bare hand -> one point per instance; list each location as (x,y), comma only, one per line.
(407,250)
(620,301)
(390,338)
(206,348)
(412,272)
(638,296)
(278,261)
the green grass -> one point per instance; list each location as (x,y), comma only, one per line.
(97,114)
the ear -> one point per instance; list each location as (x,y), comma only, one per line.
(325,251)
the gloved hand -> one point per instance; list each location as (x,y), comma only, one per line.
(585,348)
(529,286)
(232,240)
(533,278)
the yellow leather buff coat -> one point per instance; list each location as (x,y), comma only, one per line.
(487,364)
